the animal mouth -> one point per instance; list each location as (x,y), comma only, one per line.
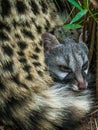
(75,87)
(79,86)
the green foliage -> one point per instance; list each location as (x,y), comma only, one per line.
(79,15)
(71,26)
(83,10)
(75,3)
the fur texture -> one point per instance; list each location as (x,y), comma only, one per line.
(29,100)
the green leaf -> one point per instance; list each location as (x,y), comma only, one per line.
(76,4)
(78,16)
(86,4)
(93,14)
(71,26)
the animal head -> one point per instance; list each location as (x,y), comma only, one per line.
(67,61)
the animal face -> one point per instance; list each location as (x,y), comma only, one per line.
(67,61)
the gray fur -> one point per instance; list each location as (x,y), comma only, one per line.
(70,81)
(68,54)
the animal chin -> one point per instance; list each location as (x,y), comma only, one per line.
(79,87)
(75,87)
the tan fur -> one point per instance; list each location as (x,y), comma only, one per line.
(26,102)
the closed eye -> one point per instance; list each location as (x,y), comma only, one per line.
(85,66)
(64,68)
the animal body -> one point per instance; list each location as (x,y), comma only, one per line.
(29,98)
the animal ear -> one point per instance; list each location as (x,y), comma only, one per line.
(82,44)
(49,41)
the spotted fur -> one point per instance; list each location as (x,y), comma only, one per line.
(28,99)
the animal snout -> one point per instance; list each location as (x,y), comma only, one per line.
(81,82)
(82,85)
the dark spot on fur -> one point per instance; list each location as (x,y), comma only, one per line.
(33,20)
(15,23)
(40,73)
(8,50)
(15,79)
(40,43)
(4,26)
(37,49)
(3,36)
(35,114)
(8,66)
(47,23)
(6,8)
(27,68)
(14,101)
(39,29)
(22,45)
(46,69)
(34,56)
(20,53)
(23,24)
(17,36)
(44,6)
(35,8)
(47,26)
(4,113)
(36,64)
(28,34)
(23,60)
(29,77)
(21,7)
(52,31)
(26,24)
(23,85)
(2,86)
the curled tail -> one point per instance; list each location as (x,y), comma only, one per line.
(58,106)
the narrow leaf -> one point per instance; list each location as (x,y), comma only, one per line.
(86,4)
(78,16)
(75,4)
(71,26)
(93,14)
